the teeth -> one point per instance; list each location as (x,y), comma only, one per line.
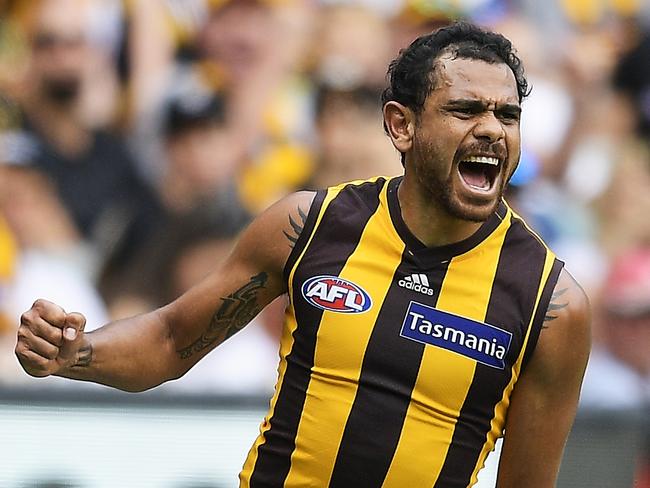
(483,160)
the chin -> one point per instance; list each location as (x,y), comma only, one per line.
(469,211)
(457,203)
(473,215)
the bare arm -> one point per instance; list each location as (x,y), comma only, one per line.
(141,352)
(545,398)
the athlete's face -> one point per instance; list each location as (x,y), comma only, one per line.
(466,142)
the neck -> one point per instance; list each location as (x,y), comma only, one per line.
(59,125)
(431,224)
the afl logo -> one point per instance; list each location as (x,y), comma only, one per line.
(336,295)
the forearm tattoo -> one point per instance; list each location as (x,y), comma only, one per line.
(557,303)
(235,312)
(84,356)
(296,227)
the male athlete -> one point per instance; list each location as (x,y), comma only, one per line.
(425,318)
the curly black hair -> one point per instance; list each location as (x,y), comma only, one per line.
(411,76)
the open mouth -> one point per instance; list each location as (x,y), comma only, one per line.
(479,172)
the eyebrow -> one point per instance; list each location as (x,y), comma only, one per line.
(479,106)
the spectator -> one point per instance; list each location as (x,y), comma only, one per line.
(618,373)
(246,365)
(352,47)
(199,178)
(250,50)
(51,258)
(343,156)
(91,168)
(625,328)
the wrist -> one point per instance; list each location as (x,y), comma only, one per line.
(80,363)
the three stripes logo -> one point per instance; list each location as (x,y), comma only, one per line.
(416,282)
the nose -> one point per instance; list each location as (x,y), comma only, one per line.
(488,127)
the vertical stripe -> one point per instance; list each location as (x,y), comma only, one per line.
(286,340)
(334,240)
(544,301)
(445,377)
(307,232)
(389,371)
(517,279)
(340,348)
(501,408)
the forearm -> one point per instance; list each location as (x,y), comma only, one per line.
(141,352)
(133,354)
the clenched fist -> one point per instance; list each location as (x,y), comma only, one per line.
(49,339)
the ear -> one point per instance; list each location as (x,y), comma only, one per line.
(399,122)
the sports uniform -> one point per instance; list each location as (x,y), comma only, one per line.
(397,360)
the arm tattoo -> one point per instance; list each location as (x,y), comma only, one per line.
(236,310)
(554,306)
(296,227)
(84,356)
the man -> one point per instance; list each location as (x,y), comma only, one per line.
(92,170)
(422,309)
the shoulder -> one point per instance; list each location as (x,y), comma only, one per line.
(565,339)
(271,236)
(274,234)
(569,302)
(287,215)
(295,209)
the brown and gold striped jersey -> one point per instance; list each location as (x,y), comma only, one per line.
(398,360)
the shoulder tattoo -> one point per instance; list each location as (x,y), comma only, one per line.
(235,311)
(557,303)
(297,225)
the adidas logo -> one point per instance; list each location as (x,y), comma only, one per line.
(416,282)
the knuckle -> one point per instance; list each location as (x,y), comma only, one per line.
(21,353)
(37,329)
(55,337)
(52,352)
(44,364)
(27,317)
(34,365)
(22,333)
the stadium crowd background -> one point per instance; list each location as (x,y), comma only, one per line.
(138,137)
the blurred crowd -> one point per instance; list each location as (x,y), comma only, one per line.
(138,137)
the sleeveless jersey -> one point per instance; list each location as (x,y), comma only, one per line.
(398,360)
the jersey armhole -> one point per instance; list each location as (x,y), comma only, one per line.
(540,313)
(307,230)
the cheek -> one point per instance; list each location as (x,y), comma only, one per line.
(513,148)
(513,143)
(431,146)
(431,162)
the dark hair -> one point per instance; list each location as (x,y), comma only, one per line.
(365,97)
(411,76)
(195,109)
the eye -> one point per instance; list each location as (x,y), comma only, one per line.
(463,112)
(508,117)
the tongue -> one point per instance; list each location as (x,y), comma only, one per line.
(474,175)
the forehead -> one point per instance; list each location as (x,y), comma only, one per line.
(474,79)
(63,17)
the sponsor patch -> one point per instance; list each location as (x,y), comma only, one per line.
(336,294)
(416,282)
(482,342)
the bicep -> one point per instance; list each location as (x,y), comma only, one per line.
(545,398)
